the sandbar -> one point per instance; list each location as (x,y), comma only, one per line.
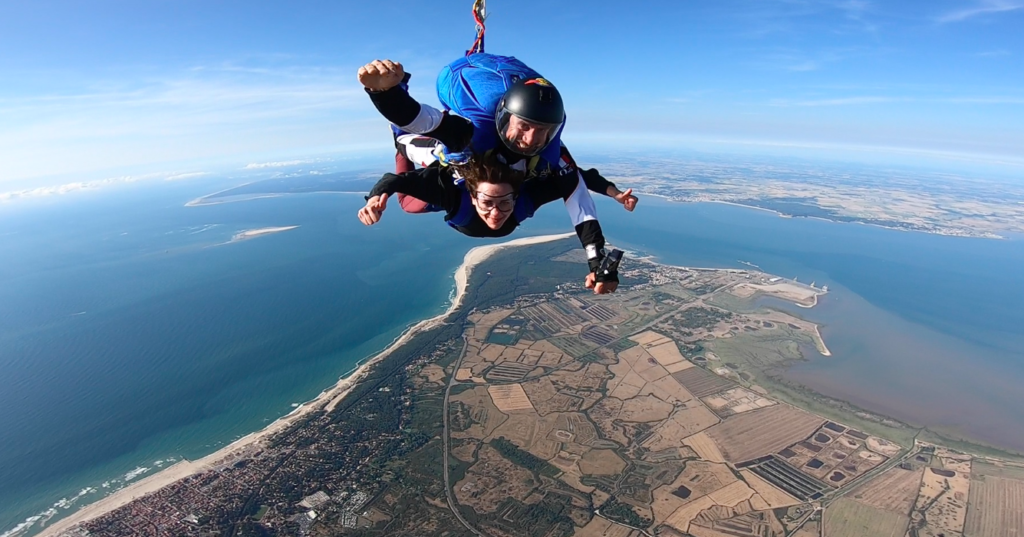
(260,232)
(820,342)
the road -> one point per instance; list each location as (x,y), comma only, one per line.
(445,440)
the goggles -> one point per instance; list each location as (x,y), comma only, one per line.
(504,204)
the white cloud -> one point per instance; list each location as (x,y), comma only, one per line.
(798,17)
(857,10)
(880,99)
(193,115)
(189,175)
(984,100)
(795,60)
(809,65)
(56,190)
(986,7)
(281,164)
(76,186)
(841,101)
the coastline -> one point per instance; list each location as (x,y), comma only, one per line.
(327,400)
(820,342)
(983,235)
(814,302)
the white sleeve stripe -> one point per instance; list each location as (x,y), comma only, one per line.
(427,120)
(580,205)
(420,153)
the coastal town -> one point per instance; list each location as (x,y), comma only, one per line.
(938,203)
(535,408)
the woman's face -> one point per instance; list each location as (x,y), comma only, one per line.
(494,203)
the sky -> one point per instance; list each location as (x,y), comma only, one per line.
(106,90)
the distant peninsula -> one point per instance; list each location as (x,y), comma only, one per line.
(356,182)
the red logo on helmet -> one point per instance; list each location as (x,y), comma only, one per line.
(539,82)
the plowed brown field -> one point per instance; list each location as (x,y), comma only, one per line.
(848,518)
(759,432)
(996,507)
(894,490)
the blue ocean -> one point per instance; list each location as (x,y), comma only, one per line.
(133,333)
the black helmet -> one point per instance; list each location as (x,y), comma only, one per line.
(535,100)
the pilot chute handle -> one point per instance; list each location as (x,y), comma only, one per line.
(479,17)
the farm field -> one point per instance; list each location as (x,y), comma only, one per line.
(772,496)
(996,503)
(849,518)
(895,490)
(687,420)
(701,383)
(705,447)
(942,502)
(492,480)
(510,398)
(601,462)
(759,432)
(600,527)
(482,416)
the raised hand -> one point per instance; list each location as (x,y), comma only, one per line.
(375,206)
(627,199)
(380,75)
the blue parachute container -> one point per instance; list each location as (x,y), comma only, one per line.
(473,85)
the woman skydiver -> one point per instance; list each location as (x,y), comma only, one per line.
(490,200)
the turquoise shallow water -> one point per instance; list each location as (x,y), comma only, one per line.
(130,334)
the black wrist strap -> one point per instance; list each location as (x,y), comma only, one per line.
(606,266)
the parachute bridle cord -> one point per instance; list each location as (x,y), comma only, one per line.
(479,15)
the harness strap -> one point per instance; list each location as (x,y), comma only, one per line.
(524,208)
(466,210)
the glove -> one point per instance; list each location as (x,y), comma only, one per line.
(606,266)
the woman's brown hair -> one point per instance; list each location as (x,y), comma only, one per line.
(487,169)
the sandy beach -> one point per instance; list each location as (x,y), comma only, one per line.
(820,343)
(326,400)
